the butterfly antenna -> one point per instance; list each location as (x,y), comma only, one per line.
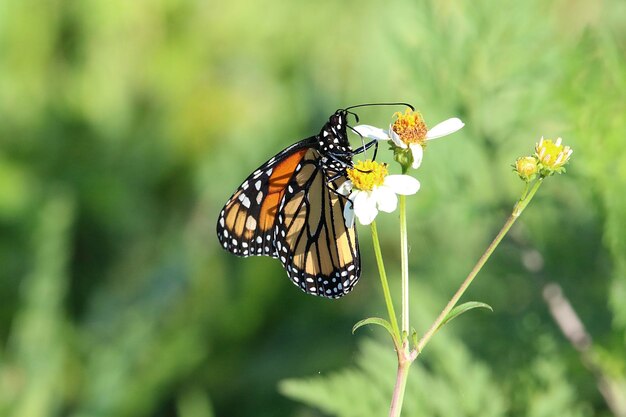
(356,116)
(380,104)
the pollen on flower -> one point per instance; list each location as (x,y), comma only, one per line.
(410,127)
(366,175)
(552,155)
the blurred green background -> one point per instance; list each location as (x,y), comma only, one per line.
(125,125)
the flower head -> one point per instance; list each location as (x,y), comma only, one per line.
(370,189)
(409,134)
(526,167)
(409,128)
(552,156)
(367,174)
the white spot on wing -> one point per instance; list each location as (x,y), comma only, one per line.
(250,223)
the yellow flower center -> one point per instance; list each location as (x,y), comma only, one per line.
(552,154)
(410,127)
(367,174)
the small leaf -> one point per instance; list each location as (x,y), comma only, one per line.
(463,308)
(414,337)
(374,320)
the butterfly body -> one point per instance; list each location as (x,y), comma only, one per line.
(289,209)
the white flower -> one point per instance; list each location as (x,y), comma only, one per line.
(370,189)
(413,133)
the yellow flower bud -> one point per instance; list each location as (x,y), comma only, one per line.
(526,167)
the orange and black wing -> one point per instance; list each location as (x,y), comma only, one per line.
(246,224)
(318,250)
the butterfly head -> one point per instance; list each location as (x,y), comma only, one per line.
(333,138)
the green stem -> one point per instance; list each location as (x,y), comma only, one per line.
(525,193)
(398,392)
(385,284)
(517,211)
(528,195)
(404,260)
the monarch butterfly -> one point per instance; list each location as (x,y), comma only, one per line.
(289,209)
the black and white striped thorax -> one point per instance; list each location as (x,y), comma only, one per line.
(333,145)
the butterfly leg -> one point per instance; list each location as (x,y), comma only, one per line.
(336,155)
(336,158)
(365,147)
(330,184)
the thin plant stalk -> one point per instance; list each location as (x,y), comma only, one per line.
(404,260)
(517,210)
(383,280)
(405,357)
(398,393)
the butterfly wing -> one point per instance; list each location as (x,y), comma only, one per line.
(316,248)
(245,225)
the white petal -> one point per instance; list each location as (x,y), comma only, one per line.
(372,132)
(386,199)
(396,139)
(444,128)
(402,184)
(365,207)
(348,214)
(345,188)
(359,199)
(418,153)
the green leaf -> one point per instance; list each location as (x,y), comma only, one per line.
(463,308)
(414,337)
(374,320)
